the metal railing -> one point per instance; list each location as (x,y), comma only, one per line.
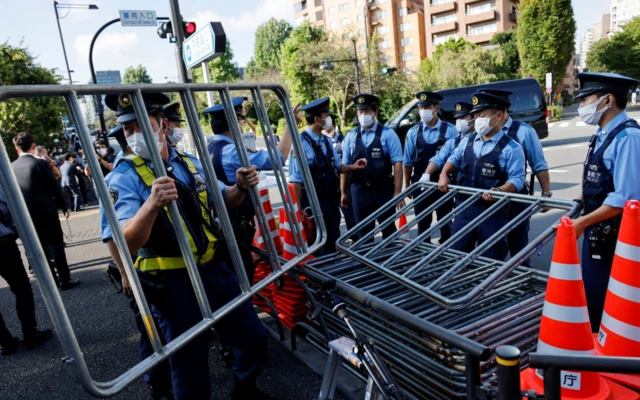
(404,260)
(65,332)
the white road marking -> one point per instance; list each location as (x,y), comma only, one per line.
(552,171)
(564,125)
(580,123)
(571,146)
(551,125)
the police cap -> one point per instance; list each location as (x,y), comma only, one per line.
(364,101)
(123,105)
(427,98)
(489,99)
(172,112)
(317,107)
(217,111)
(462,109)
(604,82)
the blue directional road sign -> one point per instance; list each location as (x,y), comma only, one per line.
(138,18)
(206,44)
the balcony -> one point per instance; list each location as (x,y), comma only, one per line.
(471,1)
(450,26)
(441,8)
(513,16)
(478,39)
(482,17)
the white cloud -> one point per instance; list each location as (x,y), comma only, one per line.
(248,21)
(119,46)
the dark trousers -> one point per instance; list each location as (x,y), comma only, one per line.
(425,223)
(12,271)
(518,238)
(241,329)
(74,197)
(349,217)
(367,201)
(52,242)
(595,276)
(330,207)
(480,234)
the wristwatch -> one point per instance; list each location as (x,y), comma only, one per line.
(547,194)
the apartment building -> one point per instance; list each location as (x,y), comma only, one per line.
(474,20)
(399,25)
(622,11)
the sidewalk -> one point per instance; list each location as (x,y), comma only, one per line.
(571,112)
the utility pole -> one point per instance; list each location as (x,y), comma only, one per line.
(178,34)
(355,62)
(64,50)
(367,4)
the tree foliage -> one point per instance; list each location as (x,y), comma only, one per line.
(270,38)
(137,74)
(546,31)
(619,54)
(37,116)
(508,42)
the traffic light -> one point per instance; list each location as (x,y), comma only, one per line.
(388,70)
(165,30)
(189,28)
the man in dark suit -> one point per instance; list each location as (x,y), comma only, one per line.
(69,182)
(43,196)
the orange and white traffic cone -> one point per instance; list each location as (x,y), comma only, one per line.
(565,328)
(619,333)
(258,240)
(289,249)
(402,221)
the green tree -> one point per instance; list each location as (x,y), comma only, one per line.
(138,74)
(619,54)
(597,56)
(546,31)
(508,42)
(221,69)
(270,38)
(37,116)
(454,45)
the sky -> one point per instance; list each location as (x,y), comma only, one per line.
(32,23)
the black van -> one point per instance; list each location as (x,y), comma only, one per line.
(527,105)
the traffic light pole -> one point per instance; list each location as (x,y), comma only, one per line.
(178,34)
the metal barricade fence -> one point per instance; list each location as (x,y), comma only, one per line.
(35,254)
(394,264)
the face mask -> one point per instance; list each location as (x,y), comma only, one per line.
(178,134)
(427,115)
(328,123)
(102,151)
(366,120)
(462,125)
(483,125)
(138,145)
(590,115)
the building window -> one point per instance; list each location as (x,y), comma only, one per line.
(345,22)
(343,7)
(482,29)
(439,39)
(438,2)
(445,19)
(381,1)
(333,25)
(382,30)
(332,10)
(318,3)
(614,9)
(358,3)
(319,16)
(381,15)
(300,6)
(300,20)
(406,41)
(474,10)
(385,44)
(613,16)
(403,11)
(405,27)
(407,56)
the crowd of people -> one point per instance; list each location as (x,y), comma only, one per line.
(353,175)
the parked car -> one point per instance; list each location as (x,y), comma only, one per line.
(527,105)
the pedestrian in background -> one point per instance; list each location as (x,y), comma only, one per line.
(69,182)
(43,154)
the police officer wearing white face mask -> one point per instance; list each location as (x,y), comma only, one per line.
(423,142)
(175,131)
(611,177)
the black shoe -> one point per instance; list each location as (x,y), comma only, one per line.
(9,348)
(226,354)
(159,394)
(69,284)
(37,338)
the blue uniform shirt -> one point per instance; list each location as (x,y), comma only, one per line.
(231,161)
(132,192)
(528,139)
(621,159)
(390,143)
(511,159)
(430,135)
(294,167)
(445,152)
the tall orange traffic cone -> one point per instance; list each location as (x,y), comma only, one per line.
(402,221)
(289,249)
(273,226)
(620,326)
(565,328)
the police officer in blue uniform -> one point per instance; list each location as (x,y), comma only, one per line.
(381,179)
(175,132)
(226,162)
(527,137)
(488,159)
(423,141)
(611,177)
(325,167)
(140,200)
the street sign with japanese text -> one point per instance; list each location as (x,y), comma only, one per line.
(138,18)
(206,44)
(549,80)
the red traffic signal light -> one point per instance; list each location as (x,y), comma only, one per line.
(189,28)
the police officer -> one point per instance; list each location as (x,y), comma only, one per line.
(527,137)
(175,132)
(381,179)
(226,162)
(488,159)
(464,126)
(325,167)
(140,201)
(611,177)
(422,143)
